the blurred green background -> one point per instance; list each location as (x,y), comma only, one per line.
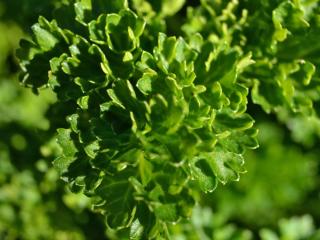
(278,197)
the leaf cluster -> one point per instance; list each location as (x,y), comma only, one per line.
(149,121)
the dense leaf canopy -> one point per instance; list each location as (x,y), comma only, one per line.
(153,104)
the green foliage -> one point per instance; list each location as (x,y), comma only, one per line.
(141,116)
(152,105)
(282,38)
(293,228)
(33,202)
(206,225)
(280,177)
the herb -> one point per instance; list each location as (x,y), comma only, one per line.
(149,120)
